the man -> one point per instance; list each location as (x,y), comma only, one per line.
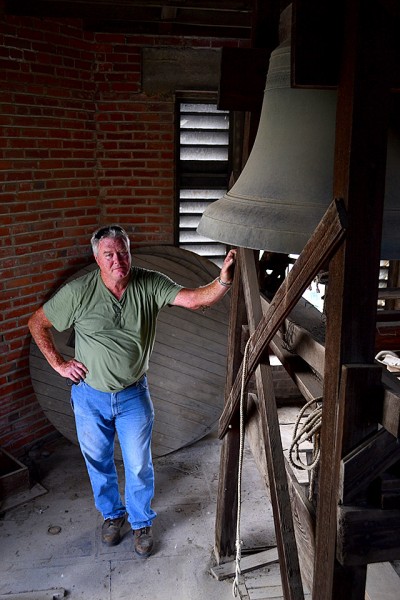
(113,310)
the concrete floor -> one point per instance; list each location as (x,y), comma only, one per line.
(74,559)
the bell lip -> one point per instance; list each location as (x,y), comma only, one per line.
(272,245)
(243,237)
(225,221)
(235,231)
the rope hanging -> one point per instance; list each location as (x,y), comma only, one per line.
(239,543)
(309,430)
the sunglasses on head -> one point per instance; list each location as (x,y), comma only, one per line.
(105,230)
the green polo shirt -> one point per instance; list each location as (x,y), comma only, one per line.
(113,338)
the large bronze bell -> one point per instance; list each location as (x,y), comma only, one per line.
(287,182)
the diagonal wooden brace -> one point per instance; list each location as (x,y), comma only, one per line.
(316,253)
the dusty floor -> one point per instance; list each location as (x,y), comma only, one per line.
(72,558)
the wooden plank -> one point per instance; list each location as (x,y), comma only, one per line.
(365,463)
(304,519)
(243,594)
(361,383)
(180,329)
(302,510)
(247,563)
(383,583)
(316,253)
(264,584)
(20,498)
(295,334)
(390,418)
(165,355)
(312,350)
(388,294)
(284,529)
(182,403)
(384,316)
(265,578)
(356,525)
(50,594)
(265,593)
(304,377)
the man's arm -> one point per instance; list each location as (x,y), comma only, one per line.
(212,292)
(40,328)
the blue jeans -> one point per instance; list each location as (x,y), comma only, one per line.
(130,414)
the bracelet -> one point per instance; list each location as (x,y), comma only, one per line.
(224,283)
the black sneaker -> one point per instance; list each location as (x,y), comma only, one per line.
(143,542)
(111,531)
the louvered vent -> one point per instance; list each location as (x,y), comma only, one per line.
(203,172)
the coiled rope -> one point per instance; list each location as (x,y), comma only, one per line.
(309,431)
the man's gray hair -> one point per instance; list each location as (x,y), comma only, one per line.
(108,231)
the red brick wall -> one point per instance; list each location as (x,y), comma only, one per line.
(80,146)
(135,137)
(48,193)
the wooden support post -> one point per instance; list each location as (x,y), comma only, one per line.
(226,513)
(280,499)
(360,155)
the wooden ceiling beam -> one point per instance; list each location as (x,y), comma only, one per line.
(318,30)
(159,28)
(196,18)
(224,5)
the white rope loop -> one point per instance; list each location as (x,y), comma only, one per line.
(239,543)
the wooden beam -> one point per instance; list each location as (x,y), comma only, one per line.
(310,386)
(303,345)
(247,563)
(303,335)
(389,293)
(365,463)
(284,529)
(302,510)
(317,40)
(318,37)
(242,79)
(362,404)
(304,519)
(382,582)
(265,23)
(226,512)
(317,252)
(390,418)
(381,527)
(359,178)
(393,281)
